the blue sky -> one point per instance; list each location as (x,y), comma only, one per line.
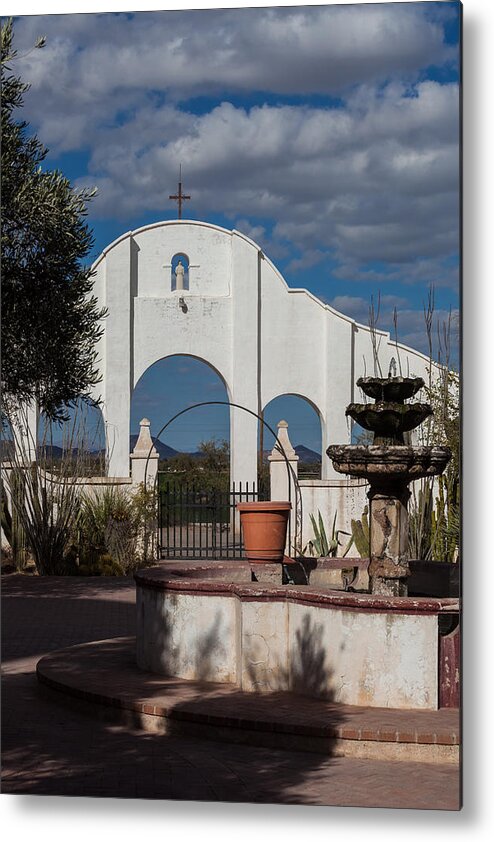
(329,134)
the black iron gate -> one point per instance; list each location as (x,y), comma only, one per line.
(197,523)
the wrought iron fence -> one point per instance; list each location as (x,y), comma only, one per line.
(195,522)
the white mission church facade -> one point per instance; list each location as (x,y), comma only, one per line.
(188,287)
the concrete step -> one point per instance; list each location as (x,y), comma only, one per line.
(102,679)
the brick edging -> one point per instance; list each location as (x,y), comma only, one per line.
(255,723)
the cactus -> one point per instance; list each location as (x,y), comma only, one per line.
(434,524)
(5,517)
(360,534)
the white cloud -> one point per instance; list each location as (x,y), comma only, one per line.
(189,53)
(375,179)
(370,189)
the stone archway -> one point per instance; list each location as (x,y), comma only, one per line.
(305,426)
(170,385)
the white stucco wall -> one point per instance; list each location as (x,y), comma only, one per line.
(190,637)
(263,338)
(346,497)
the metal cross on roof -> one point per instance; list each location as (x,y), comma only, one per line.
(179,197)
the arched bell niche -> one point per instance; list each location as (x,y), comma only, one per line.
(180,278)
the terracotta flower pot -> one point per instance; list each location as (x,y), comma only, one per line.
(264,526)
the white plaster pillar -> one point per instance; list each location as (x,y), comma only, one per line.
(119,348)
(244,377)
(339,366)
(281,478)
(281,487)
(144,469)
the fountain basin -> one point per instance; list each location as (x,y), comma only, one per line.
(210,622)
(388,462)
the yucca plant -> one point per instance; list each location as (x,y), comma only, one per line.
(45,497)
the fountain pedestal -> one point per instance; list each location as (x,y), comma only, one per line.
(388,528)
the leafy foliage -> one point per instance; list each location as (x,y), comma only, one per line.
(50,321)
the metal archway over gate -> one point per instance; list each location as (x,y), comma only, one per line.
(196,523)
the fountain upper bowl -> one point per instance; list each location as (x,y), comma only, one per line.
(396,389)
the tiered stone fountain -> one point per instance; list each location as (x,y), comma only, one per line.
(389,465)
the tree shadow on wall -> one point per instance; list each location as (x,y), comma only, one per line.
(283,740)
(309,673)
(209,646)
(306,671)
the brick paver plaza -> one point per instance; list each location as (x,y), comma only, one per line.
(49,748)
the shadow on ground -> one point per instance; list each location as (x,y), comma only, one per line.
(49,748)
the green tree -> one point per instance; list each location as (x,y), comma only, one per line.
(215,457)
(50,320)
(208,470)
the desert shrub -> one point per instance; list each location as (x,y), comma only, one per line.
(103,565)
(116,531)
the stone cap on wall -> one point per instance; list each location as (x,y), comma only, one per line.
(276,454)
(202,579)
(144,445)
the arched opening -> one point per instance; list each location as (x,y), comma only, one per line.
(180,272)
(304,431)
(166,388)
(75,446)
(193,479)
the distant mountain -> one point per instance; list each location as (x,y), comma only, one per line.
(164,451)
(52,451)
(47,451)
(305,454)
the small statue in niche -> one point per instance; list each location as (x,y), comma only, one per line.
(179,275)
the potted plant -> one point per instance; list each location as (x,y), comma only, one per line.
(264,525)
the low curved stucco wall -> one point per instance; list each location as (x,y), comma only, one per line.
(351,648)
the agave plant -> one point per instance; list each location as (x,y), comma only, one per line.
(322,546)
(41,500)
(44,500)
